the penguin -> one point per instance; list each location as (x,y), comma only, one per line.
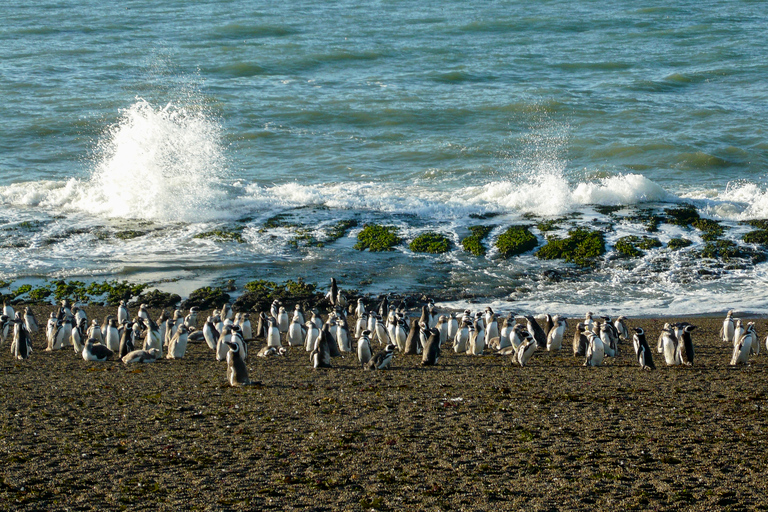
(93,351)
(66,331)
(6,325)
(727,329)
(329,331)
(237,372)
(191,319)
(364,352)
(245,326)
(383,306)
(316,319)
(79,315)
(333,293)
(741,349)
(383,359)
(8,310)
(621,327)
(372,325)
(413,340)
(78,336)
(538,333)
(21,348)
(152,339)
(161,324)
(642,350)
(738,331)
(210,334)
(122,313)
(669,345)
(610,342)
(505,333)
(50,330)
(595,350)
(320,357)
(273,334)
(312,333)
(525,350)
(178,345)
(142,356)
(126,340)
(65,309)
(271,351)
(685,346)
(94,332)
(221,343)
(556,334)
(342,337)
(361,324)
(381,331)
(660,346)
(111,336)
(477,340)
(755,340)
(588,321)
(283,322)
(431,348)
(401,337)
(274,309)
(517,338)
(237,337)
(143,313)
(462,338)
(226,312)
(491,327)
(30,321)
(59,336)
(295,337)
(453,326)
(442,328)
(750,337)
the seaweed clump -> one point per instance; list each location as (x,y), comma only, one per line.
(633,246)
(684,215)
(474,242)
(431,242)
(222,235)
(375,238)
(758,236)
(678,243)
(516,240)
(581,246)
(206,297)
(259,294)
(159,300)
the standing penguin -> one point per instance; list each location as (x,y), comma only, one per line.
(361,324)
(237,372)
(525,350)
(621,327)
(477,339)
(122,313)
(364,353)
(556,333)
(538,333)
(669,345)
(152,338)
(94,332)
(491,328)
(642,350)
(685,346)
(283,322)
(453,326)
(221,344)
(342,337)
(246,327)
(321,354)
(273,333)
(431,348)
(21,347)
(30,321)
(401,337)
(505,334)
(738,330)
(727,330)
(112,336)
(126,340)
(143,313)
(595,350)
(462,338)
(742,348)
(312,333)
(210,334)
(295,335)
(178,344)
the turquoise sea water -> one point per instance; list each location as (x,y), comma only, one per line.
(167,120)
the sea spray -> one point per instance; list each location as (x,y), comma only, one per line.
(164,164)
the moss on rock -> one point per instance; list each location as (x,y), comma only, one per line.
(259,294)
(223,235)
(206,297)
(678,243)
(711,229)
(474,242)
(159,300)
(375,237)
(516,240)
(581,246)
(725,250)
(758,236)
(340,229)
(633,246)
(683,215)
(431,242)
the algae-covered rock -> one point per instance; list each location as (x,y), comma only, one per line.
(223,235)
(340,229)
(581,246)
(633,246)
(725,250)
(759,236)
(259,294)
(474,242)
(206,297)
(711,229)
(608,209)
(375,237)
(678,243)
(516,240)
(158,299)
(431,242)
(129,234)
(683,215)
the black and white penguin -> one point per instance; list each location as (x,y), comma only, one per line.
(739,329)
(383,359)
(384,307)
(609,339)
(621,327)
(642,350)
(453,326)
(221,343)
(210,334)
(556,333)
(477,339)
(505,334)
(178,344)
(461,340)
(94,332)
(30,321)
(364,352)
(431,348)
(226,312)
(93,351)
(343,339)
(518,336)
(743,347)
(191,319)
(273,333)
(122,313)
(112,336)
(295,336)
(312,332)
(492,332)
(538,333)
(126,340)
(595,350)
(21,347)
(526,350)
(685,345)
(142,356)
(380,331)
(669,346)
(401,336)
(320,357)
(143,312)
(237,372)
(727,329)
(78,335)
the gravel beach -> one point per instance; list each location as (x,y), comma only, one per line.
(473,433)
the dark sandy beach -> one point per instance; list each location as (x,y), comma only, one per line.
(473,433)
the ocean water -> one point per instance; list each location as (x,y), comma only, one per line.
(129,130)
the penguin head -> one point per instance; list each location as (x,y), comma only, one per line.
(639,330)
(234,347)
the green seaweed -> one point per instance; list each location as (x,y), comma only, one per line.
(607,209)
(678,243)
(516,240)
(279,221)
(206,297)
(549,225)
(259,294)
(375,237)
(431,242)
(39,294)
(474,242)
(581,246)
(129,234)
(159,300)
(633,246)
(683,215)
(711,229)
(223,235)
(761,224)
(340,229)
(725,250)
(758,236)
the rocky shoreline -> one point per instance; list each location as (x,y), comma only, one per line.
(473,433)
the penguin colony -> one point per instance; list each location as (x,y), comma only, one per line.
(388,328)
